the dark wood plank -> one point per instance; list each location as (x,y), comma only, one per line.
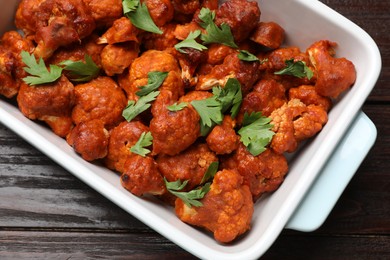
(84,245)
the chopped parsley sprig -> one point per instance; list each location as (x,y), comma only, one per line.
(139,16)
(256,132)
(146,94)
(133,108)
(190,42)
(155,79)
(145,140)
(211,110)
(40,74)
(297,69)
(214,34)
(191,198)
(79,71)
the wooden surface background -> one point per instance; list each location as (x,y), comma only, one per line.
(46,213)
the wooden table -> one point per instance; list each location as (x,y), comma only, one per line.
(46,213)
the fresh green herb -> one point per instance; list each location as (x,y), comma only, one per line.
(229,96)
(145,140)
(38,70)
(211,171)
(139,16)
(206,17)
(247,56)
(155,79)
(135,108)
(129,6)
(297,69)
(177,106)
(210,113)
(214,34)
(256,132)
(190,198)
(190,42)
(80,71)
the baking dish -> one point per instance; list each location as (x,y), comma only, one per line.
(305,21)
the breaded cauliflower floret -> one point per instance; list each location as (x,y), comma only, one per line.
(262,173)
(141,176)
(190,165)
(295,122)
(241,15)
(54,23)
(89,139)
(334,75)
(101,99)
(11,64)
(122,138)
(267,95)
(227,208)
(173,132)
(247,73)
(151,61)
(223,139)
(51,103)
(309,96)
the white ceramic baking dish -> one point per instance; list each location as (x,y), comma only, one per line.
(305,21)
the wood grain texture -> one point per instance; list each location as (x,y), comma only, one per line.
(47,213)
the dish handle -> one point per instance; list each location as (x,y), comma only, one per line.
(335,176)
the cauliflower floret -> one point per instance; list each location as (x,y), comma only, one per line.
(122,138)
(190,165)
(150,61)
(122,30)
(247,73)
(309,96)
(334,75)
(267,95)
(227,208)
(11,64)
(295,122)
(223,138)
(54,23)
(241,15)
(116,58)
(262,173)
(51,103)
(101,99)
(89,139)
(141,176)
(174,132)
(104,12)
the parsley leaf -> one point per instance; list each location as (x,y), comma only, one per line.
(256,132)
(190,198)
(297,69)
(155,79)
(177,106)
(190,42)
(80,71)
(206,17)
(38,70)
(145,140)
(210,113)
(247,56)
(133,108)
(214,34)
(229,96)
(211,171)
(139,16)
